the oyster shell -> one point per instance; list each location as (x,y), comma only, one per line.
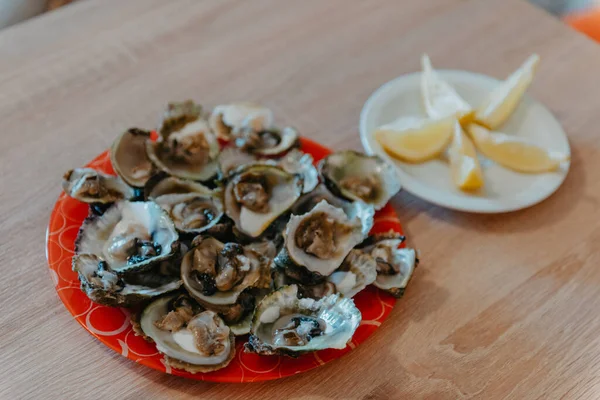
(297,162)
(129,159)
(257,195)
(395,265)
(357,271)
(287,325)
(216,273)
(356,209)
(193,207)
(227,119)
(186,147)
(320,240)
(129,236)
(103,286)
(91,186)
(269,142)
(193,340)
(356,176)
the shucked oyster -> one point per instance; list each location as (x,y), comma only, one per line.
(356,272)
(190,338)
(228,119)
(103,286)
(356,209)
(90,186)
(216,273)
(285,324)
(357,176)
(186,148)
(129,236)
(320,239)
(395,265)
(193,207)
(129,159)
(266,142)
(297,162)
(257,195)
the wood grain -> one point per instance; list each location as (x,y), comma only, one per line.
(503,306)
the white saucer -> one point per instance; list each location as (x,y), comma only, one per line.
(504,190)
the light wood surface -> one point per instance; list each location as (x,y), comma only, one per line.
(503,306)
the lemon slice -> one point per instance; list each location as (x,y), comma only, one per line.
(503,100)
(439,98)
(415,140)
(515,153)
(464,165)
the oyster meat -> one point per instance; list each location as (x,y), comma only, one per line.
(216,273)
(186,147)
(90,186)
(258,194)
(288,325)
(356,176)
(129,236)
(190,338)
(320,240)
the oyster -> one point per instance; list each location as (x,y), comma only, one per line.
(227,119)
(216,273)
(285,324)
(269,142)
(232,158)
(129,236)
(297,162)
(193,207)
(356,209)
(320,240)
(129,159)
(103,286)
(357,271)
(257,195)
(90,186)
(395,265)
(356,176)
(186,148)
(190,339)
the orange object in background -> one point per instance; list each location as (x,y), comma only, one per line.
(586,22)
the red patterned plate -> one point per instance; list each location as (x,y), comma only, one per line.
(111,325)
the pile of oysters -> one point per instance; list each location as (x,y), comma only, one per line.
(223,227)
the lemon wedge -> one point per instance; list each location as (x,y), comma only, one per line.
(415,139)
(515,153)
(503,100)
(439,98)
(464,165)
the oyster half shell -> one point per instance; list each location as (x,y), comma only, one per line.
(227,119)
(129,159)
(103,286)
(186,148)
(287,325)
(320,240)
(356,176)
(91,186)
(129,236)
(193,207)
(258,194)
(190,340)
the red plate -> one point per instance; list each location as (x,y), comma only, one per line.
(111,325)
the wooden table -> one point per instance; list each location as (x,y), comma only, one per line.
(503,306)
